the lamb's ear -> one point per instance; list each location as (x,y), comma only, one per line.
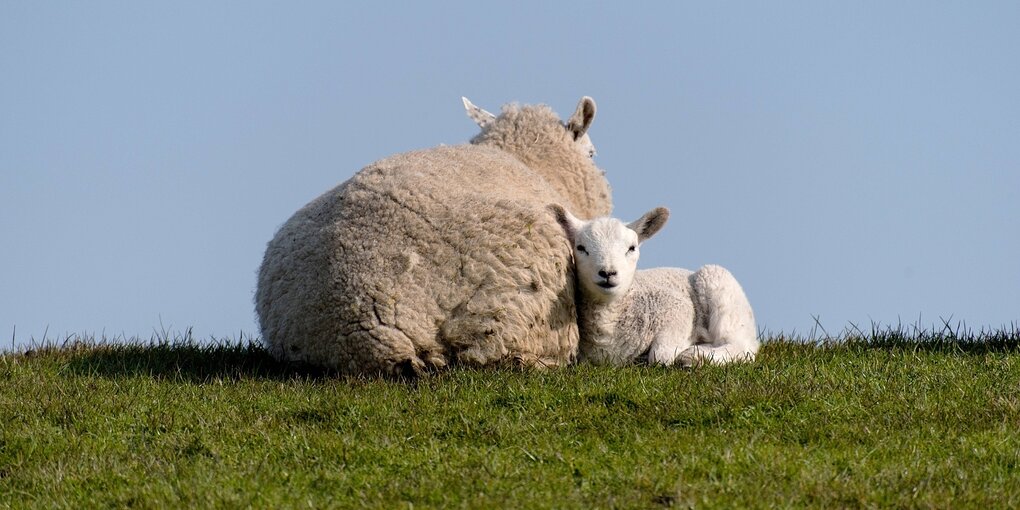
(580,121)
(480,116)
(566,220)
(647,225)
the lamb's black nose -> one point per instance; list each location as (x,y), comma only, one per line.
(606,274)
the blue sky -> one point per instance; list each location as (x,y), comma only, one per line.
(854,162)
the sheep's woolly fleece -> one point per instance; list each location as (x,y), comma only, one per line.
(440,256)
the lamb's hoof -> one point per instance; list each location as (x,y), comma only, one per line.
(693,357)
(689,361)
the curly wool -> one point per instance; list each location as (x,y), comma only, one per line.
(439,256)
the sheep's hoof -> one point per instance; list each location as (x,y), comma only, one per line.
(409,369)
(434,361)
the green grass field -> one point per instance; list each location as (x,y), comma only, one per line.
(880,420)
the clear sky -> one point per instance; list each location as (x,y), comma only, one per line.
(857,162)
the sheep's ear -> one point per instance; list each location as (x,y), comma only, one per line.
(566,220)
(480,116)
(647,225)
(580,121)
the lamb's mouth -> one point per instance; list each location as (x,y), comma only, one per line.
(606,284)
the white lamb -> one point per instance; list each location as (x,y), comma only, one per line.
(670,315)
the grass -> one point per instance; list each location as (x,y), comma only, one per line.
(883,419)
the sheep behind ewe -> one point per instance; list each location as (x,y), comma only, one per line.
(438,256)
(669,314)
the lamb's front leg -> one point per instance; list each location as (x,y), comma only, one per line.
(668,346)
(700,354)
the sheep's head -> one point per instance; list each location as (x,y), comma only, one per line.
(480,116)
(577,125)
(606,250)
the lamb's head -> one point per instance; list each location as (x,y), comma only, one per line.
(577,126)
(606,250)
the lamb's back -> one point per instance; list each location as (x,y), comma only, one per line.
(661,301)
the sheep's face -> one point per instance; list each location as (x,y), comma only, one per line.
(584,146)
(606,250)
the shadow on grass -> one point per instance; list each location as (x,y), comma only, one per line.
(183,358)
(180,358)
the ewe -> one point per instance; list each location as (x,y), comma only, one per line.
(438,256)
(667,314)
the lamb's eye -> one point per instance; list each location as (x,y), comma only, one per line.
(631,249)
(582,249)
(591,153)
